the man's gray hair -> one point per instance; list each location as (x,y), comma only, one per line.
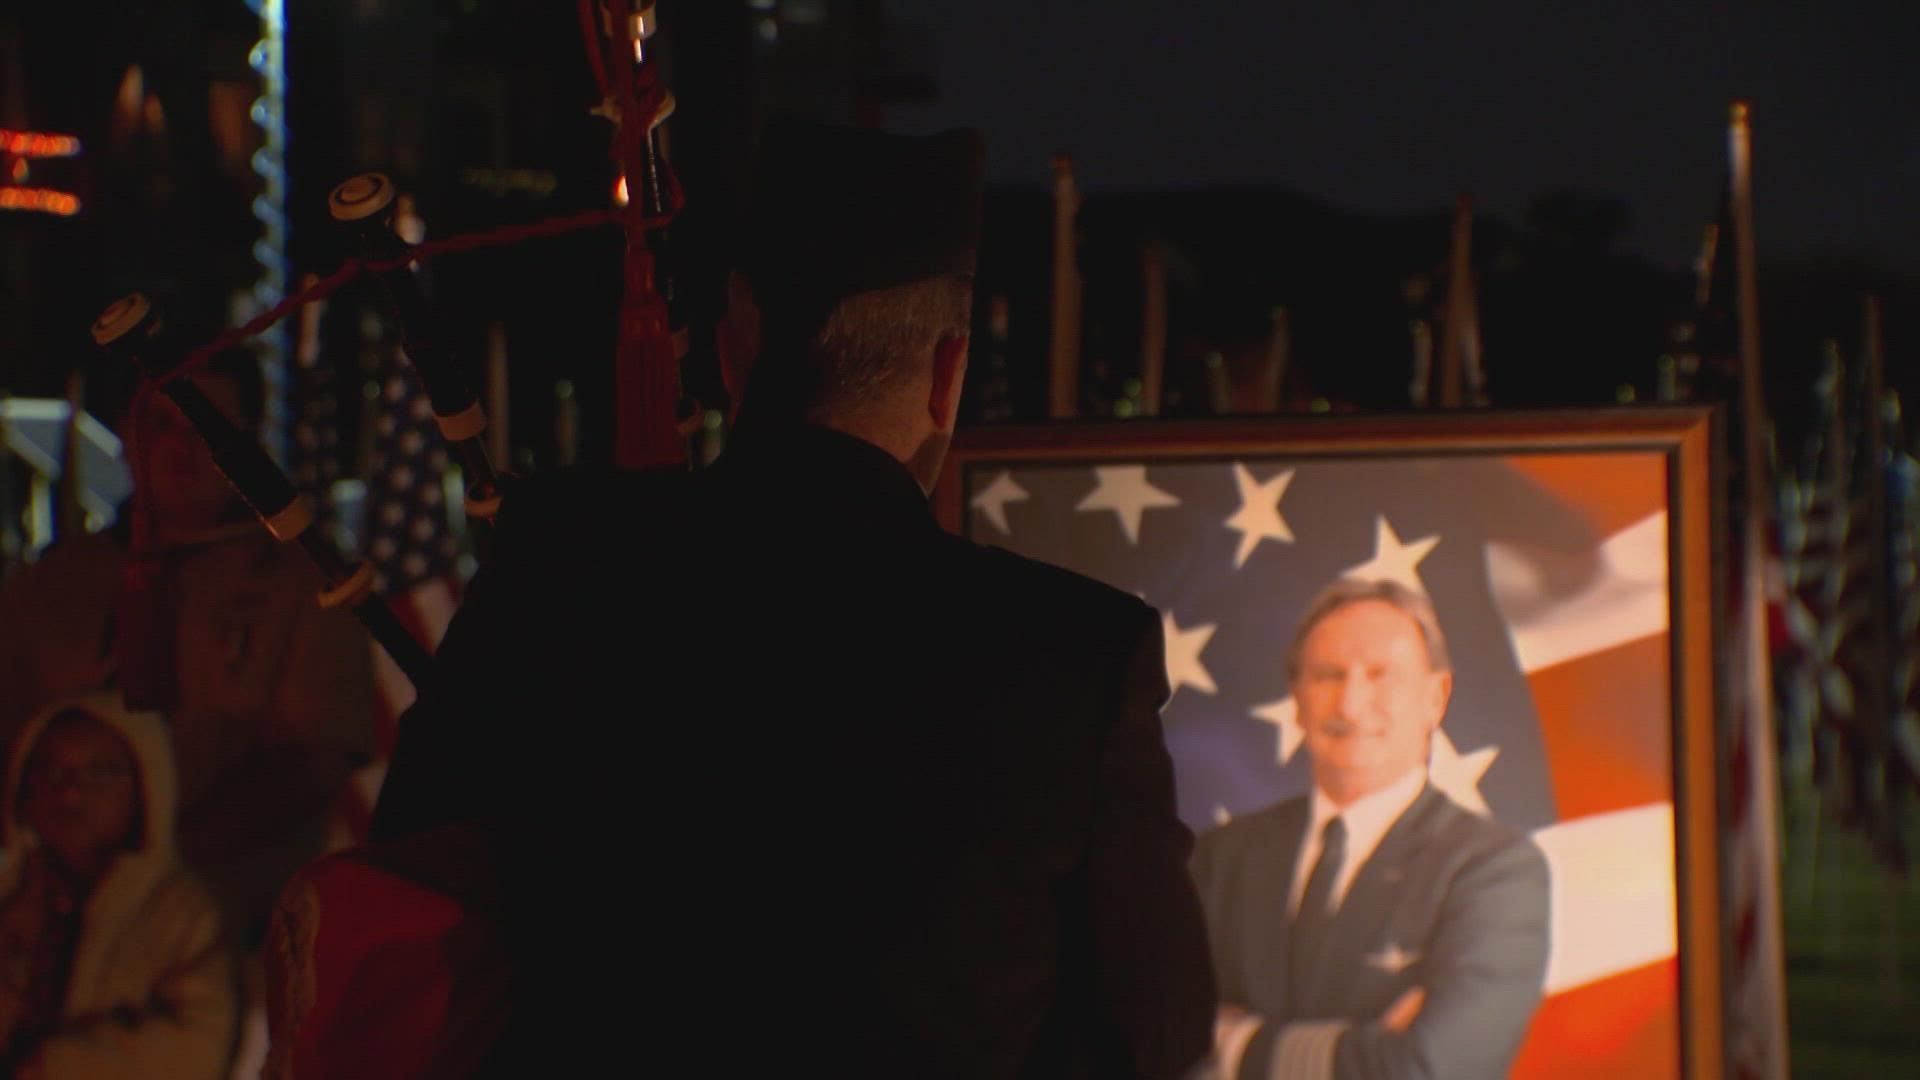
(855,352)
(1348,590)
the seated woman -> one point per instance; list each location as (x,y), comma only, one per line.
(111,958)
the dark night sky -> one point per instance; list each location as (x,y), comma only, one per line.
(1393,107)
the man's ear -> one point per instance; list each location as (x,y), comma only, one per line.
(1439,691)
(949,379)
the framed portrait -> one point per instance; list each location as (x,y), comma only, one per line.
(1568,559)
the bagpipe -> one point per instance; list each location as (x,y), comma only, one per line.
(417,917)
(651,424)
(133,328)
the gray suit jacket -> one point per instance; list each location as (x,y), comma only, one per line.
(1449,901)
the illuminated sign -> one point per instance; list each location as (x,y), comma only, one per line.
(17,148)
(42,200)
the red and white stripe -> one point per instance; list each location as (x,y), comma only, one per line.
(1598,666)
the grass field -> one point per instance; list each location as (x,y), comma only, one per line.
(1853,964)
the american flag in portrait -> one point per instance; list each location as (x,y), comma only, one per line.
(1549,574)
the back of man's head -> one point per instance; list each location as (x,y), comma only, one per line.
(867,352)
(861,254)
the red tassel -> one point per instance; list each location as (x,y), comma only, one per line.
(646,372)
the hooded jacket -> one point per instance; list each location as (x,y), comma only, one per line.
(271,685)
(151,990)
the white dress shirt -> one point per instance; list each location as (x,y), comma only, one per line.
(1367,821)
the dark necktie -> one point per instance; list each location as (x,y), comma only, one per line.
(1310,922)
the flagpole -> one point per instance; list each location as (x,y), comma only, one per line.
(1420,329)
(1473,359)
(1219,384)
(1153,327)
(1703,266)
(1459,304)
(1063,399)
(1273,372)
(1766,1024)
(1681,376)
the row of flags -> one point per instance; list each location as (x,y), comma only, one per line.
(1823,695)
(1729,340)
(1849,688)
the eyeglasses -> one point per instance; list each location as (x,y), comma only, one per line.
(96,774)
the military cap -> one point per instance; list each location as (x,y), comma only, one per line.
(839,210)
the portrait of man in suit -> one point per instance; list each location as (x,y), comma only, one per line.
(1372,928)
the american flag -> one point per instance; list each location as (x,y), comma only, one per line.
(1826,590)
(1904,482)
(1854,616)
(1549,573)
(1756,1005)
(415,554)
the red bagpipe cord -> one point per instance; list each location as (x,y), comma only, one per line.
(646,375)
